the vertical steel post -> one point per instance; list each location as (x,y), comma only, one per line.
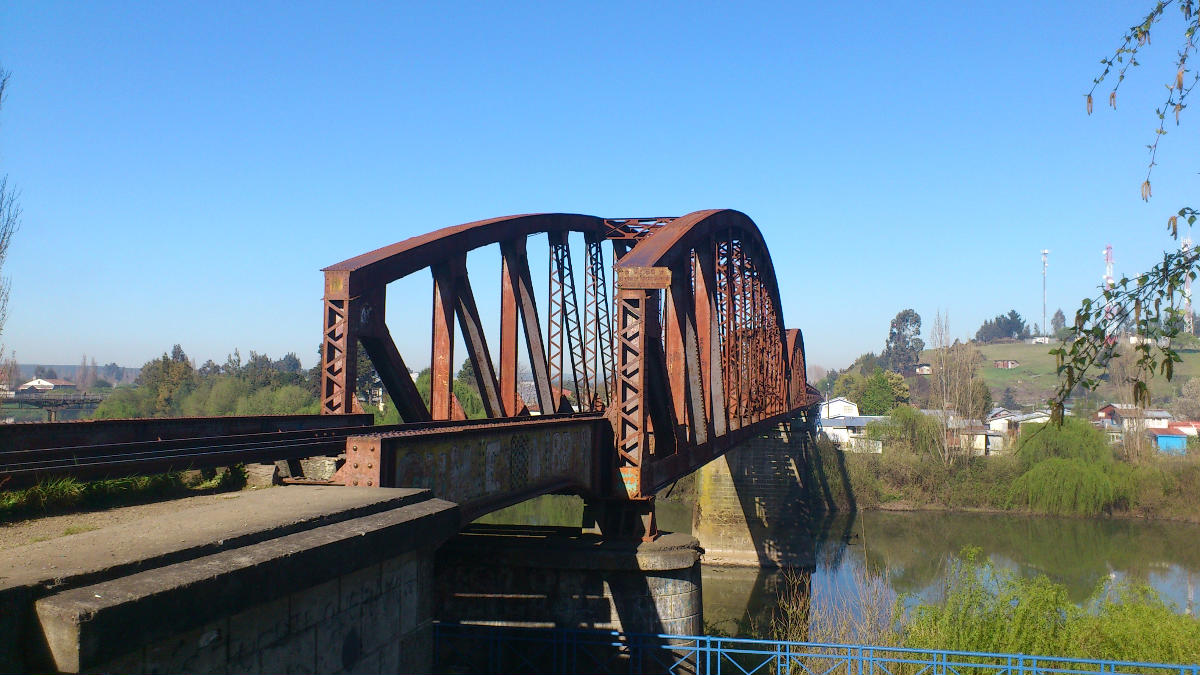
(508,341)
(441,361)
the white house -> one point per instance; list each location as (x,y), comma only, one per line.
(850,432)
(839,407)
(39,384)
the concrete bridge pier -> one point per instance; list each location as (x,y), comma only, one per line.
(524,576)
(757,504)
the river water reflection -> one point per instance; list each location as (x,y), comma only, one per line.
(912,551)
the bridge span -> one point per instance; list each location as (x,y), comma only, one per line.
(676,354)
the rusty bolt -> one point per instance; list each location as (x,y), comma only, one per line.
(356,465)
(369,483)
(356,481)
(369,466)
(354,448)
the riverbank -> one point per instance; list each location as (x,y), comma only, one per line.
(1156,488)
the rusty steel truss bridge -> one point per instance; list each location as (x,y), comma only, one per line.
(682,357)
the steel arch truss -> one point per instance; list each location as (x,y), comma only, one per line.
(689,357)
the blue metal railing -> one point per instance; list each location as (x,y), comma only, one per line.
(462,648)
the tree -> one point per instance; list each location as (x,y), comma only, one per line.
(877,398)
(45,373)
(290,363)
(1148,301)
(113,372)
(82,380)
(1004,327)
(1187,404)
(466,375)
(903,348)
(850,385)
(10,220)
(168,379)
(952,384)
(980,402)
(1058,322)
(1008,401)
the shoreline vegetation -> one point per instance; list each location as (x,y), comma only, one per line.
(986,609)
(1063,471)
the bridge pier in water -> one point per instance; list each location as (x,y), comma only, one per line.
(757,504)
(537,577)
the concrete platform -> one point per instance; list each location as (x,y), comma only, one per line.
(128,597)
(190,531)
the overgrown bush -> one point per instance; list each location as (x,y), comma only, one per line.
(1066,487)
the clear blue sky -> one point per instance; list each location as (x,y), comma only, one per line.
(186,170)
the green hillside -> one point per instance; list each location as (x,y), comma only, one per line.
(1035,379)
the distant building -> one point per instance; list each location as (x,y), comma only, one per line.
(998,420)
(839,407)
(1006,364)
(1040,340)
(42,385)
(1127,417)
(923,369)
(1168,441)
(850,432)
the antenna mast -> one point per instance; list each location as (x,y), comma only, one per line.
(1108,284)
(1045,252)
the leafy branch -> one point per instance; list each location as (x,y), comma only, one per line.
(1150,304)
(1125,56)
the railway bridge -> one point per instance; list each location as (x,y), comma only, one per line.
(676,353)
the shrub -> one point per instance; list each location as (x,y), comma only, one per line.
(1065,487)
(1075,439)
(991,610)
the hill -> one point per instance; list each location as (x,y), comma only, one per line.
(1035,380)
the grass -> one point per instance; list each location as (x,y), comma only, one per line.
(1035,380)
(59,495)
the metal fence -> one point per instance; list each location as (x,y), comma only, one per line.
(490,649)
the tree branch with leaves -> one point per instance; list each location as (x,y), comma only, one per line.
(1150,304)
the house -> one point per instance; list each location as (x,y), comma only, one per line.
(979,441)
(1006,364)
(923,369)
(1035,417)
(850,432)
(1168,441)
(997,420)
(42,385)
(839,407)
(1127,416)
(1040,340)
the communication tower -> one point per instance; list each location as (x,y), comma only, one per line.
(1108,284)
(1045,326)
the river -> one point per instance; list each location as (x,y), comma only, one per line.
(909,554)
